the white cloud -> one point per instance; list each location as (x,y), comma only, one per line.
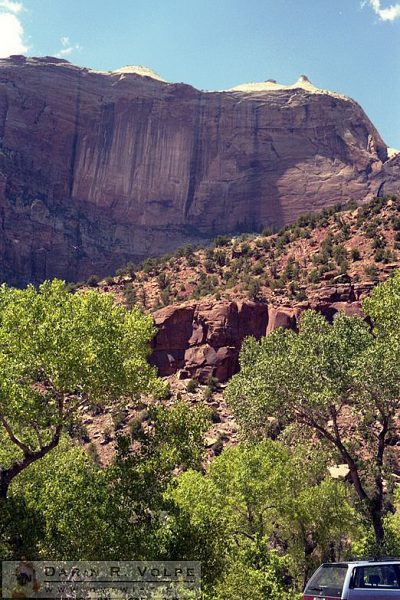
(67,47)
(385,14)
(11,6)
(11,34)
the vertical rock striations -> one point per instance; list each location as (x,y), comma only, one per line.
(100,168)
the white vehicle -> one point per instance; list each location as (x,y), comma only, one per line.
(355,580)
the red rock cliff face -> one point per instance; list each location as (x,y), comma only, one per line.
(97,169)
(200,340)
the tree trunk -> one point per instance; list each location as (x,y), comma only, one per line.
(377,522)
(377,504)
(376,511)
(4,484)
(7,475)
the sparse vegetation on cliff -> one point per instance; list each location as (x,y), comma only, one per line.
(340,244)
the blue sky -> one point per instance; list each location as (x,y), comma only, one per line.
(350,46)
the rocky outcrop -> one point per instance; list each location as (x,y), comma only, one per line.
(100,168)
(388,178)
(204,339)
(200,340)
(282,316)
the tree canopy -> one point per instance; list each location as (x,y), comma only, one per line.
(58,353)
(257,500)
(341,380)
(83,511)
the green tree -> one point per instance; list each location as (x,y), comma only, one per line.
(342,381)
(70,496)
(58,352)
(67,507)
(256,572)
(257,500)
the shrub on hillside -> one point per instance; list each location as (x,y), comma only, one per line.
(192,386)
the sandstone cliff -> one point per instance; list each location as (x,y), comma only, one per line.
(100,168)
(203,339)
(214,298)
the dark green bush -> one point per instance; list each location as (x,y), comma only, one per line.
(355,254)
(222,240)
(93,280)
(192,385)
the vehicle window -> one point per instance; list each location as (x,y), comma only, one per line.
(377,576)
(329,579)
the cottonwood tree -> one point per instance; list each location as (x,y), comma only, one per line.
(84,511)
(252,498)
(342,381)
(58,352)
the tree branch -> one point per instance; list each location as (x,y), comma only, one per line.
(7,475)
(38,434)
(348,459)
(25,449)
(250,537)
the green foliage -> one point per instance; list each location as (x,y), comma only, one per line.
(371,229)
(267,231)
(245,248)
(162,280)
(258,268)
(165,296)
(371,271)
(222,240)
(129,269)
(384,255)
(188,250)
(179,434)
(118,418)
(313,276)
(256,572)
(192,385)
(282,240)
(93,280)
(253,289)
(351,205)
(383,306)
(149,265)
(340,254)
(355,254)
(209,265)
(340,369)
(78,431)
(68,507)
(220,258)
(129,294)
(63,489)
(58,352)
(292,270)
(208,393)
(256,500)
(212,383)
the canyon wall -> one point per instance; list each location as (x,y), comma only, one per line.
(100,168)
(201,339)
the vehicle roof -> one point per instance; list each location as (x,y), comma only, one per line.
(363,563)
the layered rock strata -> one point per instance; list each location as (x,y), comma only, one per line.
(100,168)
